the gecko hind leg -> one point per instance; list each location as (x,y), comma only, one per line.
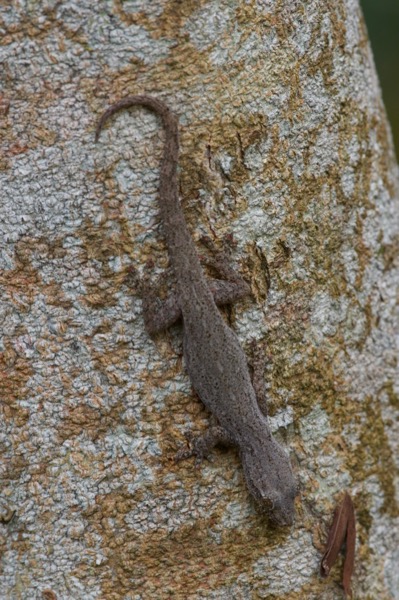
(201,445)
(232,286)
(160,314)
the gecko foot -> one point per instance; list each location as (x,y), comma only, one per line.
(201,445)
(132,276)
(198,447)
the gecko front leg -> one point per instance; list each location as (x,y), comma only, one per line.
(201,445)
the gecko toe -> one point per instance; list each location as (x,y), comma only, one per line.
(183,454)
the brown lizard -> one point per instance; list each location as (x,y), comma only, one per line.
(214,359)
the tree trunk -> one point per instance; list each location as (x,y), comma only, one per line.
(285,149)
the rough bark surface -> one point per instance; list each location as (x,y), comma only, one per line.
(285,145)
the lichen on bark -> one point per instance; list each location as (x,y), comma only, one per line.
(285,148)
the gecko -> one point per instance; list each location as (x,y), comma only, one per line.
(214,360)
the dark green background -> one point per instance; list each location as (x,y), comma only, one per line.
(382,18)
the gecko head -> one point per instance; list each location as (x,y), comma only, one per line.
(271,482)
(281,509)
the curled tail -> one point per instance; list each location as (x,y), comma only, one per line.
(169,121)
(168,176)
(183,256)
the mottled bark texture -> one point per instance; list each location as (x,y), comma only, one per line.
(285,149)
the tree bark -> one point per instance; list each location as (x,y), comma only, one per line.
(285,149)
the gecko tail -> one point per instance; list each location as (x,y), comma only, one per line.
(174,224)
(169,120)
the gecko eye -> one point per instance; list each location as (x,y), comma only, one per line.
(273,500)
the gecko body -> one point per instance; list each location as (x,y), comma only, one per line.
(214,359)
